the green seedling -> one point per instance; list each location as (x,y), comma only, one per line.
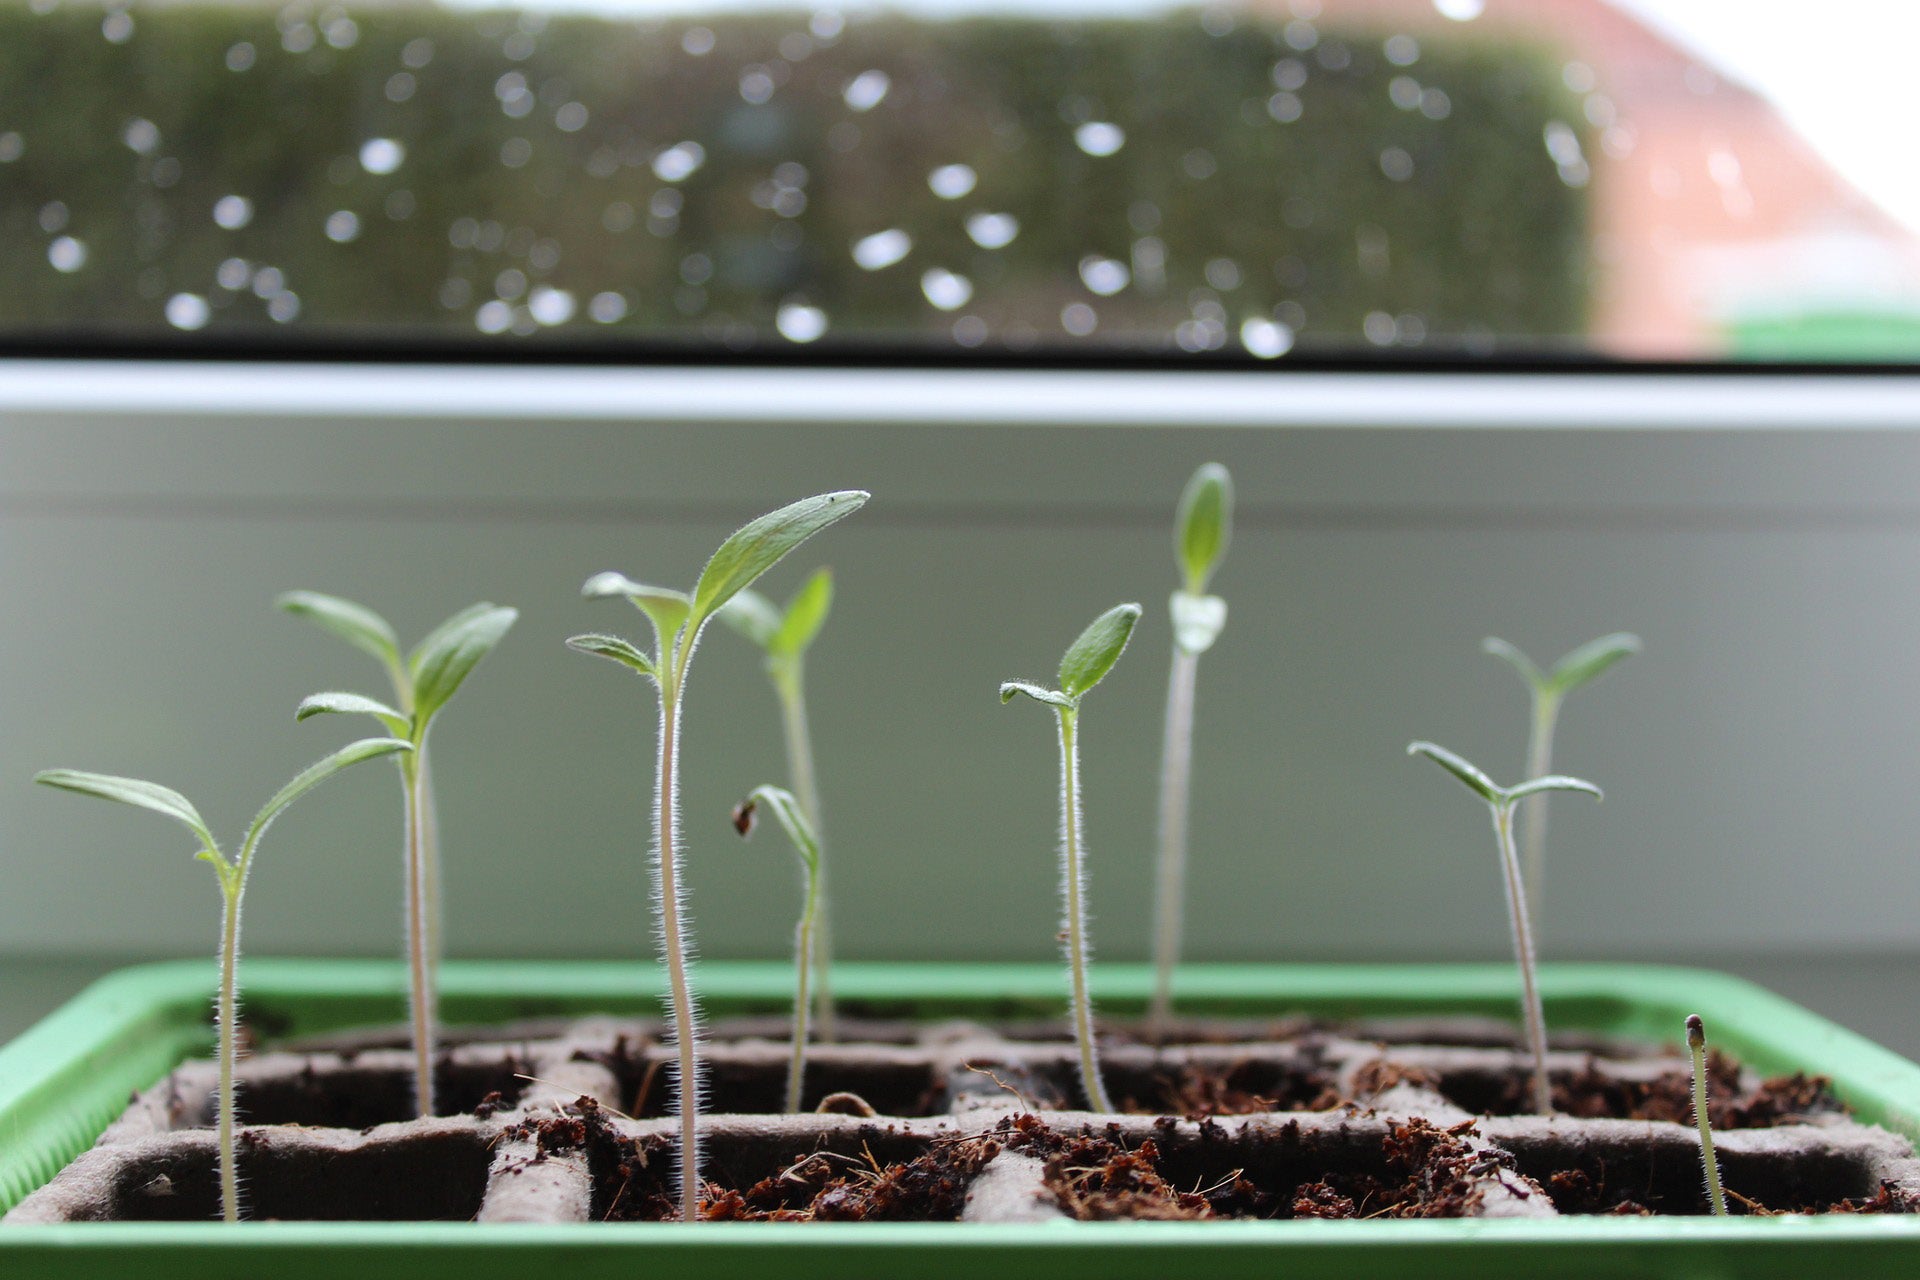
(785,635)
(1202,528)
(1502,801)
(232,873)
(1087,661)
(423,682)
(1548,689)
(793,818)
(1697,1049)
(678,620)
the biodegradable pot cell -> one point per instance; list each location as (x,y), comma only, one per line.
(947,1140)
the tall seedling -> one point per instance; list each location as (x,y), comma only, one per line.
(1201,530)
(1087,661)
(423,682)
(785,635)
(1547,690)
(232,874)
(1502,800)
(786,809)
(678,619)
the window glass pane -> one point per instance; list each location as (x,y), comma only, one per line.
(1656,179)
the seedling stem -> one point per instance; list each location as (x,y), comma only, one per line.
(793,819)
(1697,1049)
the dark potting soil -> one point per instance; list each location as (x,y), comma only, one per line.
(1592,1094)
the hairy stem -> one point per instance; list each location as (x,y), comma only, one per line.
(1176,768)
(1533,828)
(419,977)
(1072,886)
(227,1010)
(673,938)
(803,944)
(1523,955)
(788,680)
(1697,1044)
(436,909)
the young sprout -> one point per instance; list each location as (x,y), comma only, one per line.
(232,874)
(1697,1048)
(1202,528)
(423,682)
(785,636)
(1087,661)
(678,619)
(1548,689)
(1502,801)
(792,817)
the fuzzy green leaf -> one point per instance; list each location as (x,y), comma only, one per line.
(806,614)
(1510,653)
(353,704)
(615,648)
(1553,782)
(315,774)
(665,608)
(1203,525)
(358,625)
(753,616)
(435,638)
(1092,655)
(1197,621)
(145,795)
(1039,693)
(787,809)
(451,655)
(1459,767)
(760,544)
(1590,659)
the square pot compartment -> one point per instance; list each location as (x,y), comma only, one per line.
(1369,1105)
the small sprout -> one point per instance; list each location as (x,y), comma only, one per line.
(794,819)
(232,874)
(1502,800)
(1697,1049)
(1548,689)
(1203,526)
(785,635)
(678,620)
(1087,661)
(423,682)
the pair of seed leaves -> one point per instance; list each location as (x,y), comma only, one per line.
(678,617)
(426,679)
(1476,780)
(1573,670)
(1086,662)
(1202,528)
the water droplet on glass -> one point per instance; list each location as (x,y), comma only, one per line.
(993,230)
(1460,10)
(970,331)
(1402,50)
(1380,328)
(550,306)
(510,284)
(141,136)
(882,248)
(268,281)
(1578,77)
(1435,104)
(1285,107)
(607,308)
(1100,137)
(381,155)
(1301,34)
(756,86)
(343,226)
(1199,164)
(1289,74)
(679,161)
(53,216)
(233,274)
(827,24)
(283,306)
(117,27)
(67,255)
(945,290)
(515,152)
(1404,92)
(343,32)
(493,317)
(571,117)
(1266,339)
(297,38)
(798,322)
(241,56)
(1396,164)
(232,212)
(12,147)
(188,311)
(698,41)
(951,181)
(417,53)
(400,86)
(865,91)
(1103,276)
(1078,319)
(1223,274)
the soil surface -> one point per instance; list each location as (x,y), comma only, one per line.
(1592,1095)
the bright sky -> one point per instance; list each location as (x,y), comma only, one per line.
(1840,71)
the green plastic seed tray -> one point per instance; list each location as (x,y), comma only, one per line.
(67,1079)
